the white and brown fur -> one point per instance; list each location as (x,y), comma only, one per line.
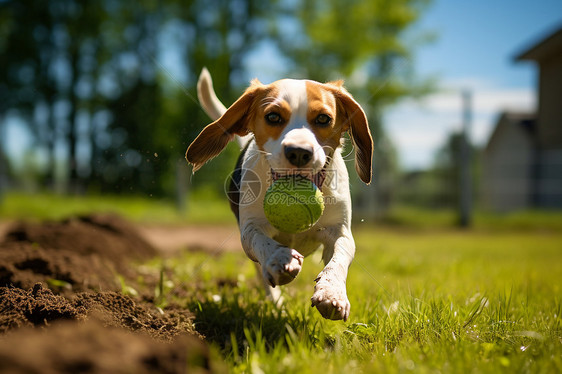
(292,126)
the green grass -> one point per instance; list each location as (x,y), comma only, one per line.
(424,218)
(201,208)
(425,297)
(421,301)
(208,207)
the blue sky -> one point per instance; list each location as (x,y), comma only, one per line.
(476,44)
(479,38)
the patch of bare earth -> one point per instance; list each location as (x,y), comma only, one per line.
(62,310)
(214,239)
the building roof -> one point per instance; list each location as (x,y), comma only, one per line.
(544,48)
(526,120)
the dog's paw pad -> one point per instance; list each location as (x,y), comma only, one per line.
(331,300)
(283,266)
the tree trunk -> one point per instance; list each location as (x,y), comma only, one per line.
(73,183)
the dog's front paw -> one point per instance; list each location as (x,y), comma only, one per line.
(330,298)
(282,266)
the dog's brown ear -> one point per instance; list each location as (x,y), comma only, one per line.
(338,83)
(360,133)
(212,140)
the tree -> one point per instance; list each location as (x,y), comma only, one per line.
(87,77)
(49,58)
(25,52)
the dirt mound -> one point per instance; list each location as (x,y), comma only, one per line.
(70,347)
(24,264)
(78,254)
(35,307)
(106,235)
(39,307)
(75,321)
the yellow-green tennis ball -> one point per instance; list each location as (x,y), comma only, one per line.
(293,204)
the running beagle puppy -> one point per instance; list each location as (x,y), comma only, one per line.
(291,127)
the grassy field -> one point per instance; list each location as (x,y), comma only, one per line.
(425,296)
(441,301)
(213,208)
(201,208)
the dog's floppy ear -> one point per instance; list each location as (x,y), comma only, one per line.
(212,140)
(360,133)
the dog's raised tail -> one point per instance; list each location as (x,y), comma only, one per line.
(207,97)
(211,103)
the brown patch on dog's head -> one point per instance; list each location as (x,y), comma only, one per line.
(332,100)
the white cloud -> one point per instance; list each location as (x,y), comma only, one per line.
(419,128)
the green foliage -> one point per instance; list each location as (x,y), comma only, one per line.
(449,301)
(368,40)
(92,75)
(95,77)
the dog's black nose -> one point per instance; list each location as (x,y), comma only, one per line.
(298,156)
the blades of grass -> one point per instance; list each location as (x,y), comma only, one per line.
(475,311)
(125,288)
(234,346)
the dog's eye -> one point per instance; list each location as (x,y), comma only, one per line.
(323,120)
(273,118)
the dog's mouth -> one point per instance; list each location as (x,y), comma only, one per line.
(316,178)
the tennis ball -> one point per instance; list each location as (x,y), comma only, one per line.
(293,204)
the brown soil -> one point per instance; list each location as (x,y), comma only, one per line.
(89,347)
(39,306)
(68,271)
(77,254)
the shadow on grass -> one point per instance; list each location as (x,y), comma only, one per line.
(238,321)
